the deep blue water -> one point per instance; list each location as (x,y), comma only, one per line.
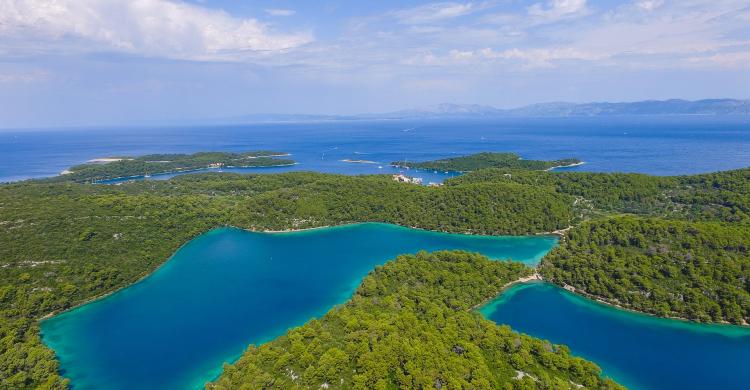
(646,144)
(639,351)
(229,288)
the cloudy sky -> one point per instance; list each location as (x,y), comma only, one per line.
(120,62)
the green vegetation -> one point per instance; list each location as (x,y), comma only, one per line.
(689,259)
(165,163)
(694,270)
(410,326)
(486,160)
(62,243)
(720,196)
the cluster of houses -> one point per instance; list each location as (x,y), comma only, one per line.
(406,179)
(412,180)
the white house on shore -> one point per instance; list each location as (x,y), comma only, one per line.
(406,179)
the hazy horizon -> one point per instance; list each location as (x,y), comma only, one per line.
(88,62)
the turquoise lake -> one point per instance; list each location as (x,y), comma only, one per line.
(229,288)
(639,351)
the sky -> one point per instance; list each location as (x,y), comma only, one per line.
(122,62)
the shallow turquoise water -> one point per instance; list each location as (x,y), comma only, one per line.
(229,288)
(639,351)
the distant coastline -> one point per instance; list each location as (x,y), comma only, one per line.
(565,166)
(181,171)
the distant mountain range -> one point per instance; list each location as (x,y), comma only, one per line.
(562,109)
(555,109)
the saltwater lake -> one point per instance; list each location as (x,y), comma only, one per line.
(229,288)
(639,351)
(646,144)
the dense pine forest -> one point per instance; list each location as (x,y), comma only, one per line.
(486,160)
(62,243)
(694,270)
(153,164)
(410,326)
(681,252)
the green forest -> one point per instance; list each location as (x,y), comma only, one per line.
(62,243)
(486,160)
(671,246)
(153,164)
(694,270)
(721,196)
(410,326)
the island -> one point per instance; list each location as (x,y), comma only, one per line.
(487,160)
(669,246)
(109,168)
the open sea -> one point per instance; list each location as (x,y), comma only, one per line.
(647,144)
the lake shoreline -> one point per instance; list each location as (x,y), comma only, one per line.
(266,231)
(537,277)
(602,301)
(205,260)
(534,277)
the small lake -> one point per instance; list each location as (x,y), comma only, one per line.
(639,351)
(229,288)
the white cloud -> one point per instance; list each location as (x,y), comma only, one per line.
(555,10)
(725,60)
(434,12)
(648,5)
(280,12)
(542,57)
(24,77)
(160,28)
(527,58)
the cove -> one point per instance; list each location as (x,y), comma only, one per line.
(637,350)
(229,288)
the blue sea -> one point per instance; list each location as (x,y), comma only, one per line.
(647,144)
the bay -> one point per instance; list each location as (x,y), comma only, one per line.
(229,288)
(640,351)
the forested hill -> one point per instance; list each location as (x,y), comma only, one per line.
(694,270)
(721,196)
(62,243)
(120,167)
(689,259)
(409,326)
(486,160)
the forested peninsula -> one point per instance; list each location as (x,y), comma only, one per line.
(154,164)
(410,325)
(671,246)
(486,160)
